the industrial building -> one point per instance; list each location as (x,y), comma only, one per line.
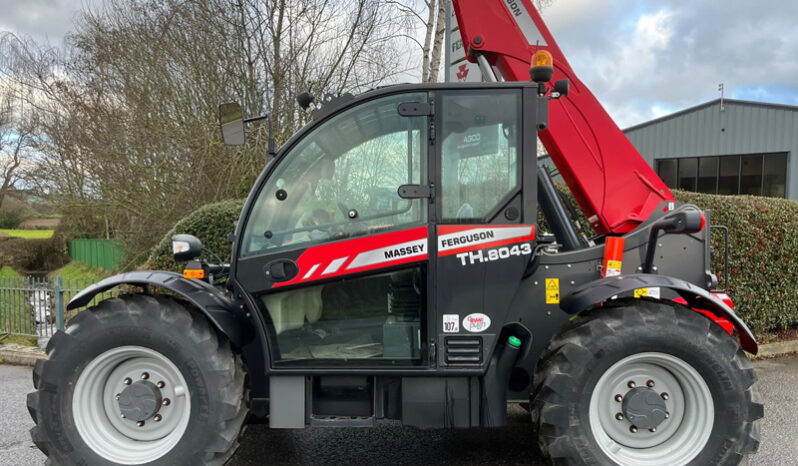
(725,147)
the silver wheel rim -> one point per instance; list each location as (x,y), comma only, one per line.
(679,438)
(98,417)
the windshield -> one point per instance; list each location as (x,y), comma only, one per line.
(341,180)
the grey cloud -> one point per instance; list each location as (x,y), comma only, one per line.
(741,43)
(43,20)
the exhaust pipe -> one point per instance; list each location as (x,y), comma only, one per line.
(496,381)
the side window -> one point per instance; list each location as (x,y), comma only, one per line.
(341,180)
(479,155)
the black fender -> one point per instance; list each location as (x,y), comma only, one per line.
(598,291)
(227,317)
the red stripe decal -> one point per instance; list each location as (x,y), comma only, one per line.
(454,239)
(361,254)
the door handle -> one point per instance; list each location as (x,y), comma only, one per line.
(281,270)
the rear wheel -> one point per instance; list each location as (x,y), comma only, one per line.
(138,380)
(645,383)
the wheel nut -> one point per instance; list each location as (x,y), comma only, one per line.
(653,429)
(650,383)
(667,414)
(618,398)
(633,429)
(140,423)
(619,417)
(118,396)
(123,416)
(158,418)
(165,402)
(127,381)
(145,376)
(160,384)
(631,384)
(665,395)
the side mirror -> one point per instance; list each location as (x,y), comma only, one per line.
(185,247)
(231,120)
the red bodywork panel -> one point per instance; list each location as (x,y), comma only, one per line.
(723,322)
(615,187)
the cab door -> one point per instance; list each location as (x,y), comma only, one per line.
(336,260)
(482,245)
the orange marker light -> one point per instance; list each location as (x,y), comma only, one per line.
(541,70)
(197,274)
(542,58)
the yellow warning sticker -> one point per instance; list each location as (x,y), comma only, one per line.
(641,292)
(613,268)
(552,291)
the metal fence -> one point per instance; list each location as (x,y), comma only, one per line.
(36,307)
(105,253)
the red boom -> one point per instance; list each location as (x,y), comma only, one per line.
(613,184)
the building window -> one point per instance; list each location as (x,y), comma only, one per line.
(751,175)
(666,168)
(688,175)
(774,180)
(760,175)
(729,182)
(708,175)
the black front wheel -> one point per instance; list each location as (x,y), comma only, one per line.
(645,383)
(138,380)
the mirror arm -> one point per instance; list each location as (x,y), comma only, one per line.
(270,149)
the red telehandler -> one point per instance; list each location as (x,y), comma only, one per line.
(388,264)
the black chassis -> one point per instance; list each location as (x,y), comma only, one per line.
(440,393)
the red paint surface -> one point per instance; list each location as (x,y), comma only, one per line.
(326,253)
(613,184)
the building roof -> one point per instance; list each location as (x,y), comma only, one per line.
(710,104)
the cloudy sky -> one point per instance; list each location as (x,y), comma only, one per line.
(642,58)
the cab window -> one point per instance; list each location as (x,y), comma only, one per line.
(341,180)
(479,154)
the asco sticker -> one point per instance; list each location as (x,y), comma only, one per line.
(476,322)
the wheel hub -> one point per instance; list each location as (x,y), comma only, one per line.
(140,401)
(644,408)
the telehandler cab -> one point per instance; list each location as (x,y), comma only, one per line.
(388,264)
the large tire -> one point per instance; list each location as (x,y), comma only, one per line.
(200,402)
(698,371)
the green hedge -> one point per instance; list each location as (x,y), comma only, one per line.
(212,224)
(763,258)
(763,261)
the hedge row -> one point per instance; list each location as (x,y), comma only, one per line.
(763,260)
(212,224)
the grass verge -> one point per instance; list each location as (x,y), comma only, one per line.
(77,272)
(28,234)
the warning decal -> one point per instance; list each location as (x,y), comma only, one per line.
(647,292)
(613,268)
(552,291)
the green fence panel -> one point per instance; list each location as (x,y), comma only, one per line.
(103,253)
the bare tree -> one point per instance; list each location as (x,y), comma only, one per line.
(130,141)
(16,139)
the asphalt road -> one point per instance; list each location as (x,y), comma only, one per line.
(393,444)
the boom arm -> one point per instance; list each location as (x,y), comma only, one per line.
(613,184)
